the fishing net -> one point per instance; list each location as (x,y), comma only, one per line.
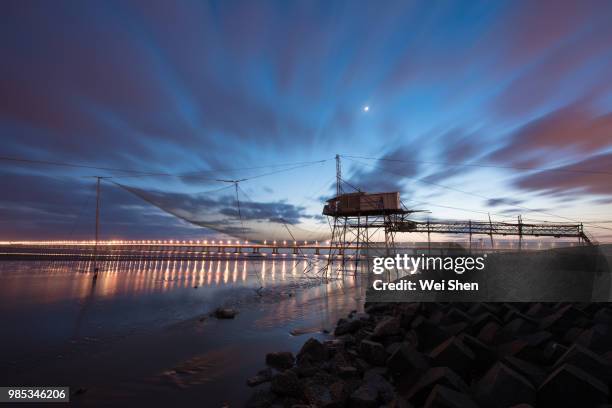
(229,211)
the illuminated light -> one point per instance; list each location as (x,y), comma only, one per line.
(274,242)
(205,241)
(284,242)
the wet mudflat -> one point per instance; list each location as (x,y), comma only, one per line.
(143,333)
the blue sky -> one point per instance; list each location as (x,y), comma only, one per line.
(178,87)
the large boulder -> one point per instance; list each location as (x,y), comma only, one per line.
(384,390)
(261,399)
(388,326)
(322,395)
(444,397)
(313,350)
(281,360)
(502,387)
(345,326)
(260,378)
(532,372)
(373,352)
(364,397)
(407,361)
(417,394)
(287,384)
(454,354)
(588,361)
(429,333)
(485,355)
(569,386)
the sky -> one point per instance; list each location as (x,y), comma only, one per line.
(475,108)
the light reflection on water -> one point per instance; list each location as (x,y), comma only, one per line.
(54,312)
(48,282)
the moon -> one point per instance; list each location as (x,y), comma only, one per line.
(366,108)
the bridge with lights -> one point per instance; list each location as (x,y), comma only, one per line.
(160,248)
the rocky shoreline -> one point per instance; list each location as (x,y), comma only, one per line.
(449,355)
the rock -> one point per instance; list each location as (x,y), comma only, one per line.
(538,310)
(313,350)
(281,360)
(364,397)
(305,368)
(538,339)
(598,338)
(519,326)
(485,355)
(455,355)
(572,334)
(482,320)
(418,393)
(346,372)
(588,361)
(455,328)
(407,313)
(373,352)
(407,361)
(569,386)
(553,352)
(260,378)
(383,388)
(562,320)
(378,308)
(393,347)
(455,315)
(362,365)
(521,349)
(603,316)
(399,402)
(389,326)
(489,333)
(347,327)
(225,313)
(502,387)
(533,373)
(444,397)
(287,384)
(429,333)
(326,396)
(261,399)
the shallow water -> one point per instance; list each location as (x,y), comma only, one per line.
(141,332)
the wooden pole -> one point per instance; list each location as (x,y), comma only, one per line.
(95,262)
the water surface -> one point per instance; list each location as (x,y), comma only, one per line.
(141,333)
